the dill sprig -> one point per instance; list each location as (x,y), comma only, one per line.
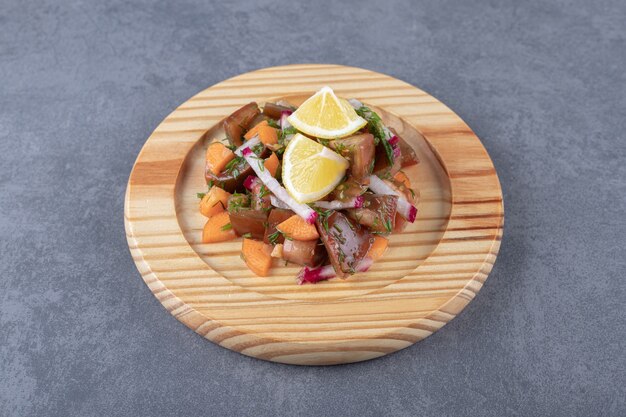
(376,126)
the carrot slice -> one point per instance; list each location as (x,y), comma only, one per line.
(268,135)
(257,255)
(217,156)
(271,164)
(297,228)
(378,248)
(218,229)
(400,176)
(255,130)
(214,201)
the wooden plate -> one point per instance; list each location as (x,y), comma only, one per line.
(429,274)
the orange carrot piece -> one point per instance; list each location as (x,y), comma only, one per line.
(257,255)
(400,176)
(268,135)
(297,228)
(271,164)
(214,201)
(378,248)
(255,130)
(217,156)
(218,229)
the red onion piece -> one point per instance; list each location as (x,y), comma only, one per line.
(248,144)
(322,273)
(250,182)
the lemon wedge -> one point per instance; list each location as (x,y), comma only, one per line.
(324,115)
(311,170)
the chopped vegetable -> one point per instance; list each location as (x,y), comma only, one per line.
(314,275)
(277,252)
(214,201)
(255,130)
(275,110)
(251,143)
(298,229)
(355,202)
(216,229)
(217,156)
(240,120)
(407,154)
(346,242)
(257,255)
(405,209)
(401,177)
(271,164)
(378,248)
(359,151)
(350,189)
(277,203)
(308,253)
(275,217)
(268,135)
(378,212)
(247,220)
(376,126)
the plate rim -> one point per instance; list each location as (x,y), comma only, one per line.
(294,351)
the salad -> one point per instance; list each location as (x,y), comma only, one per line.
(320,186)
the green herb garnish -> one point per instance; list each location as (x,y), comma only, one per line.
(388,226)
(273,238)
(377,128)
(263,191)
(273,123)
(200,195)
(226,227)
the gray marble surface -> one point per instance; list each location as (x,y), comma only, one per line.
(83,83)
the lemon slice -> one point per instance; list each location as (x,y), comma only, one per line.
(311,170)
(324,115)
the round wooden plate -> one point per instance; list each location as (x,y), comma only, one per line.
(428,275)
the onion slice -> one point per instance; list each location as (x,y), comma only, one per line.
(356,202)
(278,203)
(405,209)
(302,210)
(251,143)
(322,273)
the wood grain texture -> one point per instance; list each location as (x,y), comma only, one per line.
(430,273)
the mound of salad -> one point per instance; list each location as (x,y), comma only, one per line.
(321,186)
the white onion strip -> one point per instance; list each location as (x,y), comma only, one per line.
(248,144)
(302,210)
(405,209)
(278,203)
(356,202)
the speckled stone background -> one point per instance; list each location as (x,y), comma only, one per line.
(82,85)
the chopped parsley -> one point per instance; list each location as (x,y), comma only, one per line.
(263,191)
(200,195)
(388,225)
(226,227)
(273,123)
(273,238)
